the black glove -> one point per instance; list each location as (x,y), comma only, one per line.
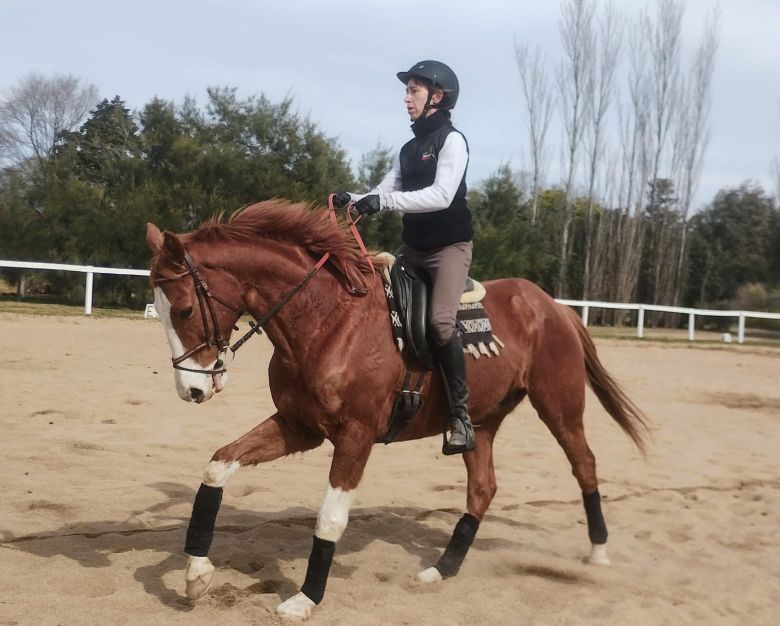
(341,199)
(368,205)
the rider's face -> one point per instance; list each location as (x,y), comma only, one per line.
(416,97)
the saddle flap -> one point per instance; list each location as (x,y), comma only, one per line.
(410,287)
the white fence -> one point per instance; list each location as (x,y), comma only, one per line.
(586,305)
(87,269)
(691,313)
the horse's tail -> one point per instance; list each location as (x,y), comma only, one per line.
(614,400)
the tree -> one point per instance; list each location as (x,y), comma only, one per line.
(160,130)
(106,146)
(599,93)
(574,76)
(383,232)
(37,111)
(538,101)
(693,132)
(732,244)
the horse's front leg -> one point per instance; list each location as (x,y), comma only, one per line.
(352,448)
(266,442)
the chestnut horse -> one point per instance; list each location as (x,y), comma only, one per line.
(335,371)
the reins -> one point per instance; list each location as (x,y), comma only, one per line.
(257,327)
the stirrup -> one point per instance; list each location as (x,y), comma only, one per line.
(449,449)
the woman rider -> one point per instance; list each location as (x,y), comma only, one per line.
(427,183)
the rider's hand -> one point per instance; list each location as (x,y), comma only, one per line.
(341,199)
(368,205)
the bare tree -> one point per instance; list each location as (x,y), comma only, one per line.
(694,131)
(665,53)
(538,101)
(599,97)
(636,158)
(575,73)
(37,110)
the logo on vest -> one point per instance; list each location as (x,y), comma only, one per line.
(429,154)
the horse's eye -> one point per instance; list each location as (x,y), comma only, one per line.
(186,314)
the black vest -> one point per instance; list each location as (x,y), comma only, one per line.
(419,158)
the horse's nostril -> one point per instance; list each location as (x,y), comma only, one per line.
(196,394)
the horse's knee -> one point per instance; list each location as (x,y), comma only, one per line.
(480,496)
(217,473)
(334,514)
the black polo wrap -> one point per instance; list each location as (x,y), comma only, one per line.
(204,515)
(597,527)
(460,542)
(320,560)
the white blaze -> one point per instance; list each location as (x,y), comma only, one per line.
(185,381)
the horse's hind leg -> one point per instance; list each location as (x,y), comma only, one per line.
(480,492)
(561,410)
(352,447)
(266,442)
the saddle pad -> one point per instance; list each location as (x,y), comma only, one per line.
(477,333)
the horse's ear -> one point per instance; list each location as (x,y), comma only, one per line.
(173,247)
(154,238)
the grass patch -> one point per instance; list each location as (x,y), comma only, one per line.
(23,307)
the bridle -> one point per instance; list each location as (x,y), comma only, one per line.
(206,300)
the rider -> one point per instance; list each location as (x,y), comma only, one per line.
(427,183)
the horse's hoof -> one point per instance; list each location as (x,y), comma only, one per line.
(200,574)
(297,607)
(598,555)
(428,576)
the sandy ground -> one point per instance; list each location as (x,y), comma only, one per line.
(100,462)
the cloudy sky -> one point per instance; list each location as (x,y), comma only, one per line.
(338,58)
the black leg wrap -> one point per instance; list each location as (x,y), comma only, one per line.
(319,566)
(597,527)
(204,515)
(460,542)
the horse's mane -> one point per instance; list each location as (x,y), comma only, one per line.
(298,223)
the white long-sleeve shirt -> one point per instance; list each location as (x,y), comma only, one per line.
(450,168)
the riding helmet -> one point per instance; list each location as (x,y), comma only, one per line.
(440,75)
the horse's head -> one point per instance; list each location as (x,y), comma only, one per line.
(198,305)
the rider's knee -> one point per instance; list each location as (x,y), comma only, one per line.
(442,329)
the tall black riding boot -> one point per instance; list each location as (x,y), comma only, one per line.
(453,368)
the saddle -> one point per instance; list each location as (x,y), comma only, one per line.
(407,289)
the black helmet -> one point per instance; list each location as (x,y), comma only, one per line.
(440,75)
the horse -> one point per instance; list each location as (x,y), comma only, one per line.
(335,368)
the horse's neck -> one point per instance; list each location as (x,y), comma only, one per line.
(269,273)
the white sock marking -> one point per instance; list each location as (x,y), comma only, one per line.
(430,575)
(217,473)
(299,606)
(198,577)
(334,514)
(598,555)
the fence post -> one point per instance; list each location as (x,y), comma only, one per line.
(691,325)
(88,294)
(741,328)
(585,311)
(640,322)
